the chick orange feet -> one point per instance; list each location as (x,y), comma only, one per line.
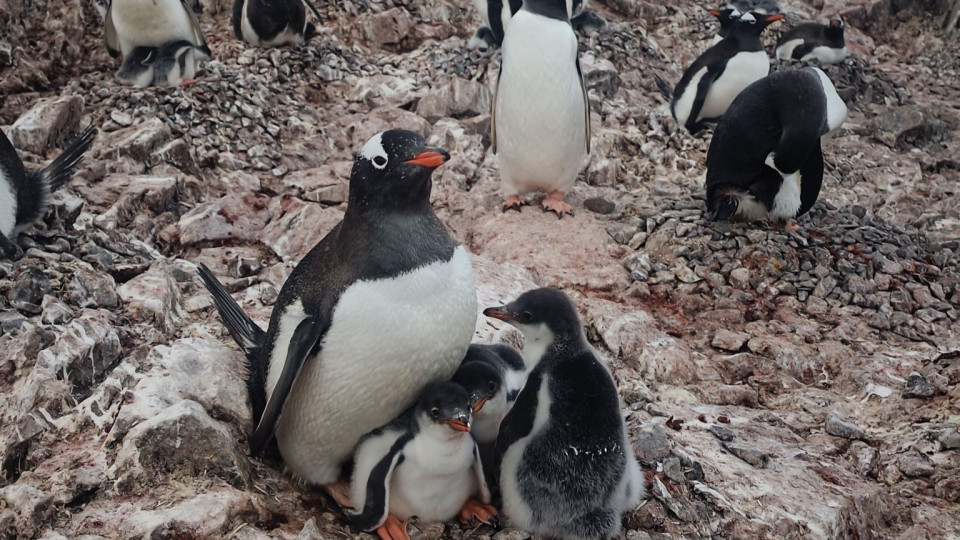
(393,529)
(513,202)
(482,512)
(553,202)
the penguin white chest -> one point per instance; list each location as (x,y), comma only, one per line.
(434,480)
(744,69)
(787,201)
(8,204)
(387,340)
(520,512)
(150,23)
(540,116)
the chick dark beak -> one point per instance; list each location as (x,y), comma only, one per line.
(461,422)
(499,312)
(430,158)
(479,404)
(774,17)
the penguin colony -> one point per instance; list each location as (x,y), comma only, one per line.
(386,301)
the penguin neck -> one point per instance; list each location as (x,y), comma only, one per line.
(746,42)
(416,200)
(542,343)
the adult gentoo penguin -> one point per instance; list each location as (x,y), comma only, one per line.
(24,197)
(726,17)
(423,464)
(273,23)
(566,465)
(541,114)
(813,40)
(715,78)
(491,34)
(384,304)
(765,159)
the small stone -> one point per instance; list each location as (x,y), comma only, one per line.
(11,321)
(600,205)
(729,340)
(751,455)
(915,464)
(917,387)
(838,428)
(48,123)
(722,433)
(740,278)
(652,445)
(948,489)
(673,470)
(865,458)
(30,287)
(950,439)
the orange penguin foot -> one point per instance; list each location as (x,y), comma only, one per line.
(188,82)
(513,202)
(340,491)
(554,203)
(476,510)
(789,225)
(393,529)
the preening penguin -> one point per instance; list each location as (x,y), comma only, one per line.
(765,159)
(541,113)
(384,304)
(423,464)
(715,78)
(813,40)
(273,23)
(566,465)
(24,197)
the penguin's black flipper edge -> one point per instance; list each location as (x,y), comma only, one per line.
(586,104)
(198,38)
(493,110)
(518,423)
(811,178)
(314,10)
(664,88)
(703,87)
(110,33)
(60,170)
(305,338)
(375,508)
(478,473)
(248,334)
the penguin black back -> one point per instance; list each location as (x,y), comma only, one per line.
(825,42)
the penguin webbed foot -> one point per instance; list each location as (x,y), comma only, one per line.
(554,203)
(513,202)
(482,512)
(393,529)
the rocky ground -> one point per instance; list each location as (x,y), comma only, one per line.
(777,385)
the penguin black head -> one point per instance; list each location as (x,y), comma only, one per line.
(562,10)
(727,16)
(541,314)
(392,171)
(752,23)
(445,404)
(481,380)
(834,30)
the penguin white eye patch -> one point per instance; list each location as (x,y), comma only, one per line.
(374,152)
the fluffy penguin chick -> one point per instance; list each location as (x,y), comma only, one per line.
(24,197)
(423,464)
(541,114)
(566,466)
(810,41)
(765,159)
(384,304)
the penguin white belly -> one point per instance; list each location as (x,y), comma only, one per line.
(836,108)
(387,340)
(486,423)
(684,103)
(742,70)
(827,55)
(514,505)
(434,480)
(150,23)
(787,201)
(785,50)
(481,6)
(750,209)
(540,119)
(8,205)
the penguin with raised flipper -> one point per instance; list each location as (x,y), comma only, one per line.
(565,464)
(765,159)
(24,197)
(383,305)
(809,41)
(424,464)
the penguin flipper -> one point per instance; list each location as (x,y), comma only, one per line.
(811,178)
(110,33)
(586,104)
(59,171)
(197,38)
(374,493)
(314,10)
(477,469)
(305,338)
(493,111)
(518,423)
(703,87)
(248,334)
(664,88)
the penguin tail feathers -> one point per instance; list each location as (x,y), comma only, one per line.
(723,205)
(664,88)
(59,172)
(248,335)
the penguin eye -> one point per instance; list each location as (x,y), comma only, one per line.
(434,412)
(492,386)
(526,316)
(379,162)
(752,21)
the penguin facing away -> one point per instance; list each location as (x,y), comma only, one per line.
(424,464)
(810,41)
(24,197)
(541,113)
(381,306)
(273,23)
(726,17)
(765,159)
(129,24)
(491,34)
(715,78)
(565,463)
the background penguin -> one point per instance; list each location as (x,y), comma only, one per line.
(813,40)
(763,7)
(765,158)
(715,78)
(541,113)
(381,306)
(491,34)
(273,23)
(726,16)
(566,465)
(151,23)
(24,197)
(423,464)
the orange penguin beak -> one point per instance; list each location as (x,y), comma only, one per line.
(774,17)
(499,313)
(457,424)
(479,404)
(430,157)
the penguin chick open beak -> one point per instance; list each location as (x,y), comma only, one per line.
(461,422)
(774,17)
(499,312)
(430,157)
(479,404)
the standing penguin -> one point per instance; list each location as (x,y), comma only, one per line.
(491,34)
(383,305)
(541,114)
(423,464)
(765,159)
(726,16)
(566,465)
(273,23)
(715,78)
(24,197)
(813,40)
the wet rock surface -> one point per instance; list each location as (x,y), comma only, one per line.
(775,384)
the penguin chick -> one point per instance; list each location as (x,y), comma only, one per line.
(810,41)
(726,16)
(715,78)
(138,67)
(273,23)
(24,197)
(337,360)
(489,397)
(129,24)
(541,114)
(423,464)
(765,159)
(565,463)
(175,64)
